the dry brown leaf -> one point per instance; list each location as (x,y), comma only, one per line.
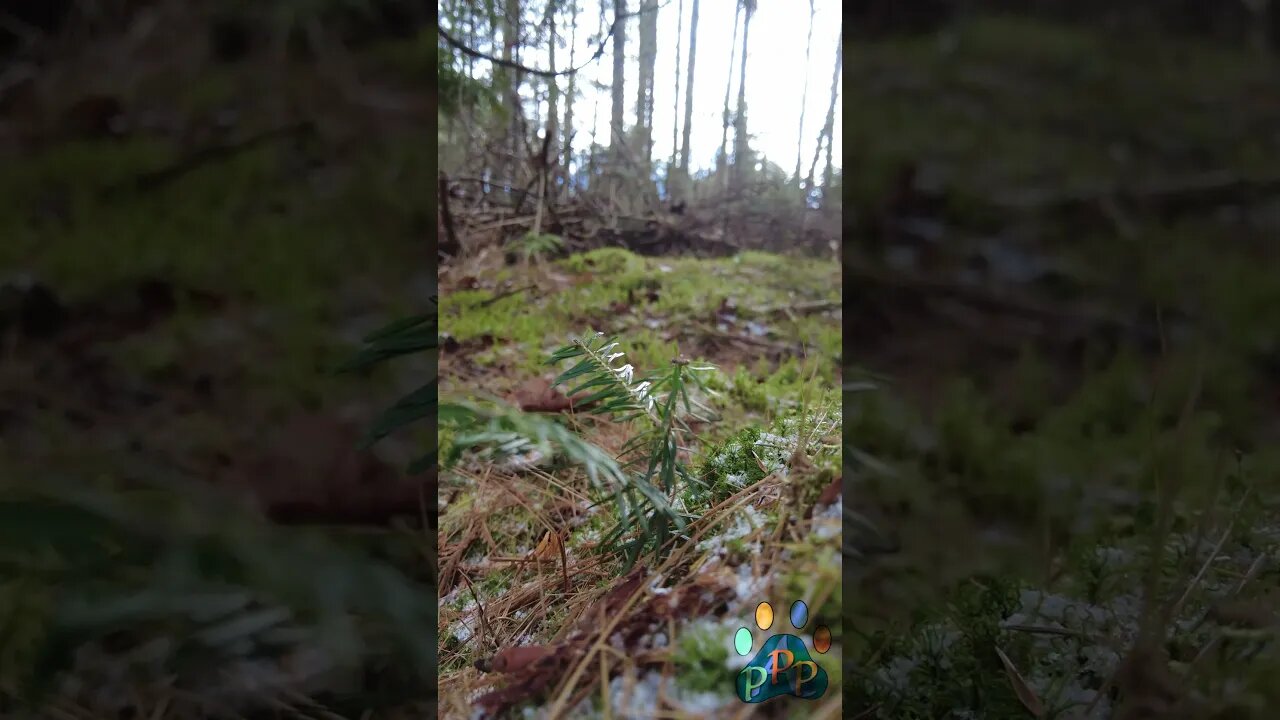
(513,659)
(549,547)
(830,492)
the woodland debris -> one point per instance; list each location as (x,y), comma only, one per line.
(800,308)
(533,669)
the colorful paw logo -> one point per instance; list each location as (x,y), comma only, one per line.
(783,666)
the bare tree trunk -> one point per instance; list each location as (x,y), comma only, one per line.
(804,95)
(741,161)
(569,98)
(688,96)
(644,90)
(619,73)
(511,41)
(829,125)
(617,130)
(722,162)
(675,109)
(552,154)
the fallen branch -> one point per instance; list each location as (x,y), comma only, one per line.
(503,295)
(203,156)
(1179,196)
(803,308)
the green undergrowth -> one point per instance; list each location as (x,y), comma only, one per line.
(658,297)
(747,456)
(1067,497)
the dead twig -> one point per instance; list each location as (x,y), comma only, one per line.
(213,153)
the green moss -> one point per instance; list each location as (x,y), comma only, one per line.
(730,466)
(606,261)
(700,657)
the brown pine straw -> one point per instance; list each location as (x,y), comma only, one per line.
(563,700)
(599,659)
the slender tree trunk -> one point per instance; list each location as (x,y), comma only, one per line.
(722,162)
(553,101)
(804,95)
(688,96)
(829,126)
(619,71)
(569,98)
(644,89)
(510,42)
(675,109)
(617,130)
(741,161)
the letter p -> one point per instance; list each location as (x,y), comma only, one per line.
(800,676)
(778,667)
(755,678)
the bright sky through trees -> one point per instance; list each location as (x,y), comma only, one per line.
(775,76)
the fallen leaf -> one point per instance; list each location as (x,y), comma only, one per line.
(549,547)
(513,659)
(831,492)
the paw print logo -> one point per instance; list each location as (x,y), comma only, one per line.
(783,666)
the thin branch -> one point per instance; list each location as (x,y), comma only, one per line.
(546,73)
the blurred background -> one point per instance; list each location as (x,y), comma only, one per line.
(1062,347)
(206,206)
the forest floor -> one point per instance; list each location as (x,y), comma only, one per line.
(770,531)
(1071,320)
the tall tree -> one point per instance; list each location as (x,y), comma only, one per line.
(510,43)
(688,93)
(829,126)
(675,103)
(741,151)
(804,94)
(570,96)
(722,161)
(552,154)
(619,71)
(644,89)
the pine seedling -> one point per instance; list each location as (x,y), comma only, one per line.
(659,403)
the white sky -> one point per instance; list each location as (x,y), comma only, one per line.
(775,77)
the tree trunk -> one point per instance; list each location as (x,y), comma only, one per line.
(619,73)
(549,159)
(804,95)
(722,161)
(829,125)
(741,161)
(569,98)
(675,108)
(511,41)
(644,90)
(688,95)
